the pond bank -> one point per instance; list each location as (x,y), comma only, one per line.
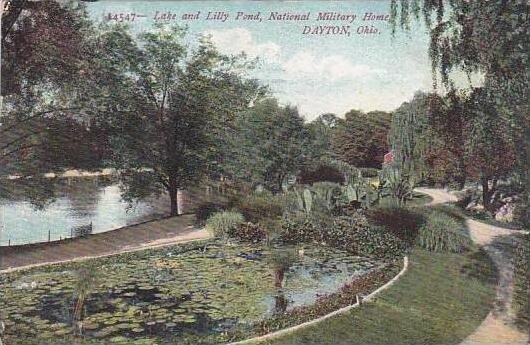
(131,238)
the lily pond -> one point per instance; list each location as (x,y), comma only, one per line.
(200,293)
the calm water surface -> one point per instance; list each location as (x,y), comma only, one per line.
(68,207)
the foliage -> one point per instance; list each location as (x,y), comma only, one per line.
(250,232)
(322,173)
(178,88)
(403,223)
(489,149)
(399,185)
(269,145)
(320,132)
(360,139)
(446,133)
(352,233)
(441,232)
(43,57)
(407,135)
(224,224)
(457,34)
(369,172)
(357,236)
(205,210)
(259,206)
(522,281)
(281,258)
(302,227)
(87,279)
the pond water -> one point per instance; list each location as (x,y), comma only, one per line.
(193,294)
(68,207)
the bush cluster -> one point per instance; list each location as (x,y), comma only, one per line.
(322,173)
(441,232)
(402,222)
(224,224)
(259,206)
(301,227)
(357,236)
(250,232)
(205,210)
(352,233)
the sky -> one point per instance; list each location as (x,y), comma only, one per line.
(317,73)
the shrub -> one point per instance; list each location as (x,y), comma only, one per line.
(522,281)
(224,224)
(321,173)
(250,232)
(259,206)
(348,209)
(353,234)
(441,232)
(401,222)
(369,172)
(357,236)
(301,227)
(205,210)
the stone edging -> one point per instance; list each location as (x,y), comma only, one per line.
(343,310)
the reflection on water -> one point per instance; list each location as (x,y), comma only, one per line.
(77,206)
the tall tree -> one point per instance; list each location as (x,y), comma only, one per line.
(42,57)
(164,120)
(489,149)
(270,145)
(447,125)
(320,132)
(407,135)
(360,139)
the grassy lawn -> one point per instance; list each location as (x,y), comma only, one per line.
(442,299)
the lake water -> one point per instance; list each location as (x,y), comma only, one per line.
(67,207)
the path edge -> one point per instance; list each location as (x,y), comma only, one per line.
(115,253)
(340,311)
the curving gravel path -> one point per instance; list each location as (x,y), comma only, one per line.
(497,328)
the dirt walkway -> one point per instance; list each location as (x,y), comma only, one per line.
(498,327)
(137,237)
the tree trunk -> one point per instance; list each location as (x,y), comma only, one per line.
(461,178)
(173,196)
(486,193)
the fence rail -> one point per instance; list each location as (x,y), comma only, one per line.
(49,236)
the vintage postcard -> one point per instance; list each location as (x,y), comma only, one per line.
(264,172)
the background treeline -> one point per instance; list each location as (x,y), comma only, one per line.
(169,111)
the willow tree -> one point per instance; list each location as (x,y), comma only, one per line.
(407,136)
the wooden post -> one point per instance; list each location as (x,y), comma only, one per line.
(49,235)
